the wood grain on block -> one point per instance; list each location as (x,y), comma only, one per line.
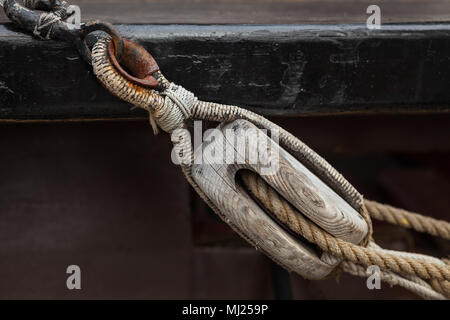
(291,179)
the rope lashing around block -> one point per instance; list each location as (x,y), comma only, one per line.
(171,107)
(178,105)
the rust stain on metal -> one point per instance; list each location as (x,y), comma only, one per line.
(137,64)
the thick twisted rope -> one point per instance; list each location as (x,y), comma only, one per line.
(168,110)
(290,217)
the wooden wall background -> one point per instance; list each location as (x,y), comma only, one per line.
(105,196)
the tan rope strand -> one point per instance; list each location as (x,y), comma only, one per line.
(408,219)
(355,253)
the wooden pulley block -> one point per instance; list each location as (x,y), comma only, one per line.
(241,145)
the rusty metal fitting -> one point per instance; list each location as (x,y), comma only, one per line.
(137,61)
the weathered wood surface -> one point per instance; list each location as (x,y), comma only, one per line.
(285,70)
(259,11)
(252,149)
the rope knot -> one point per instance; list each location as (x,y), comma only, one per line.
(176,109)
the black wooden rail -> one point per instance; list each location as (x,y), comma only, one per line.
(273,69)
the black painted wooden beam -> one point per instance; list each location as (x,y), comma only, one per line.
(273,69)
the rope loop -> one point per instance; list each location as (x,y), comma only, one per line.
(44,26)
